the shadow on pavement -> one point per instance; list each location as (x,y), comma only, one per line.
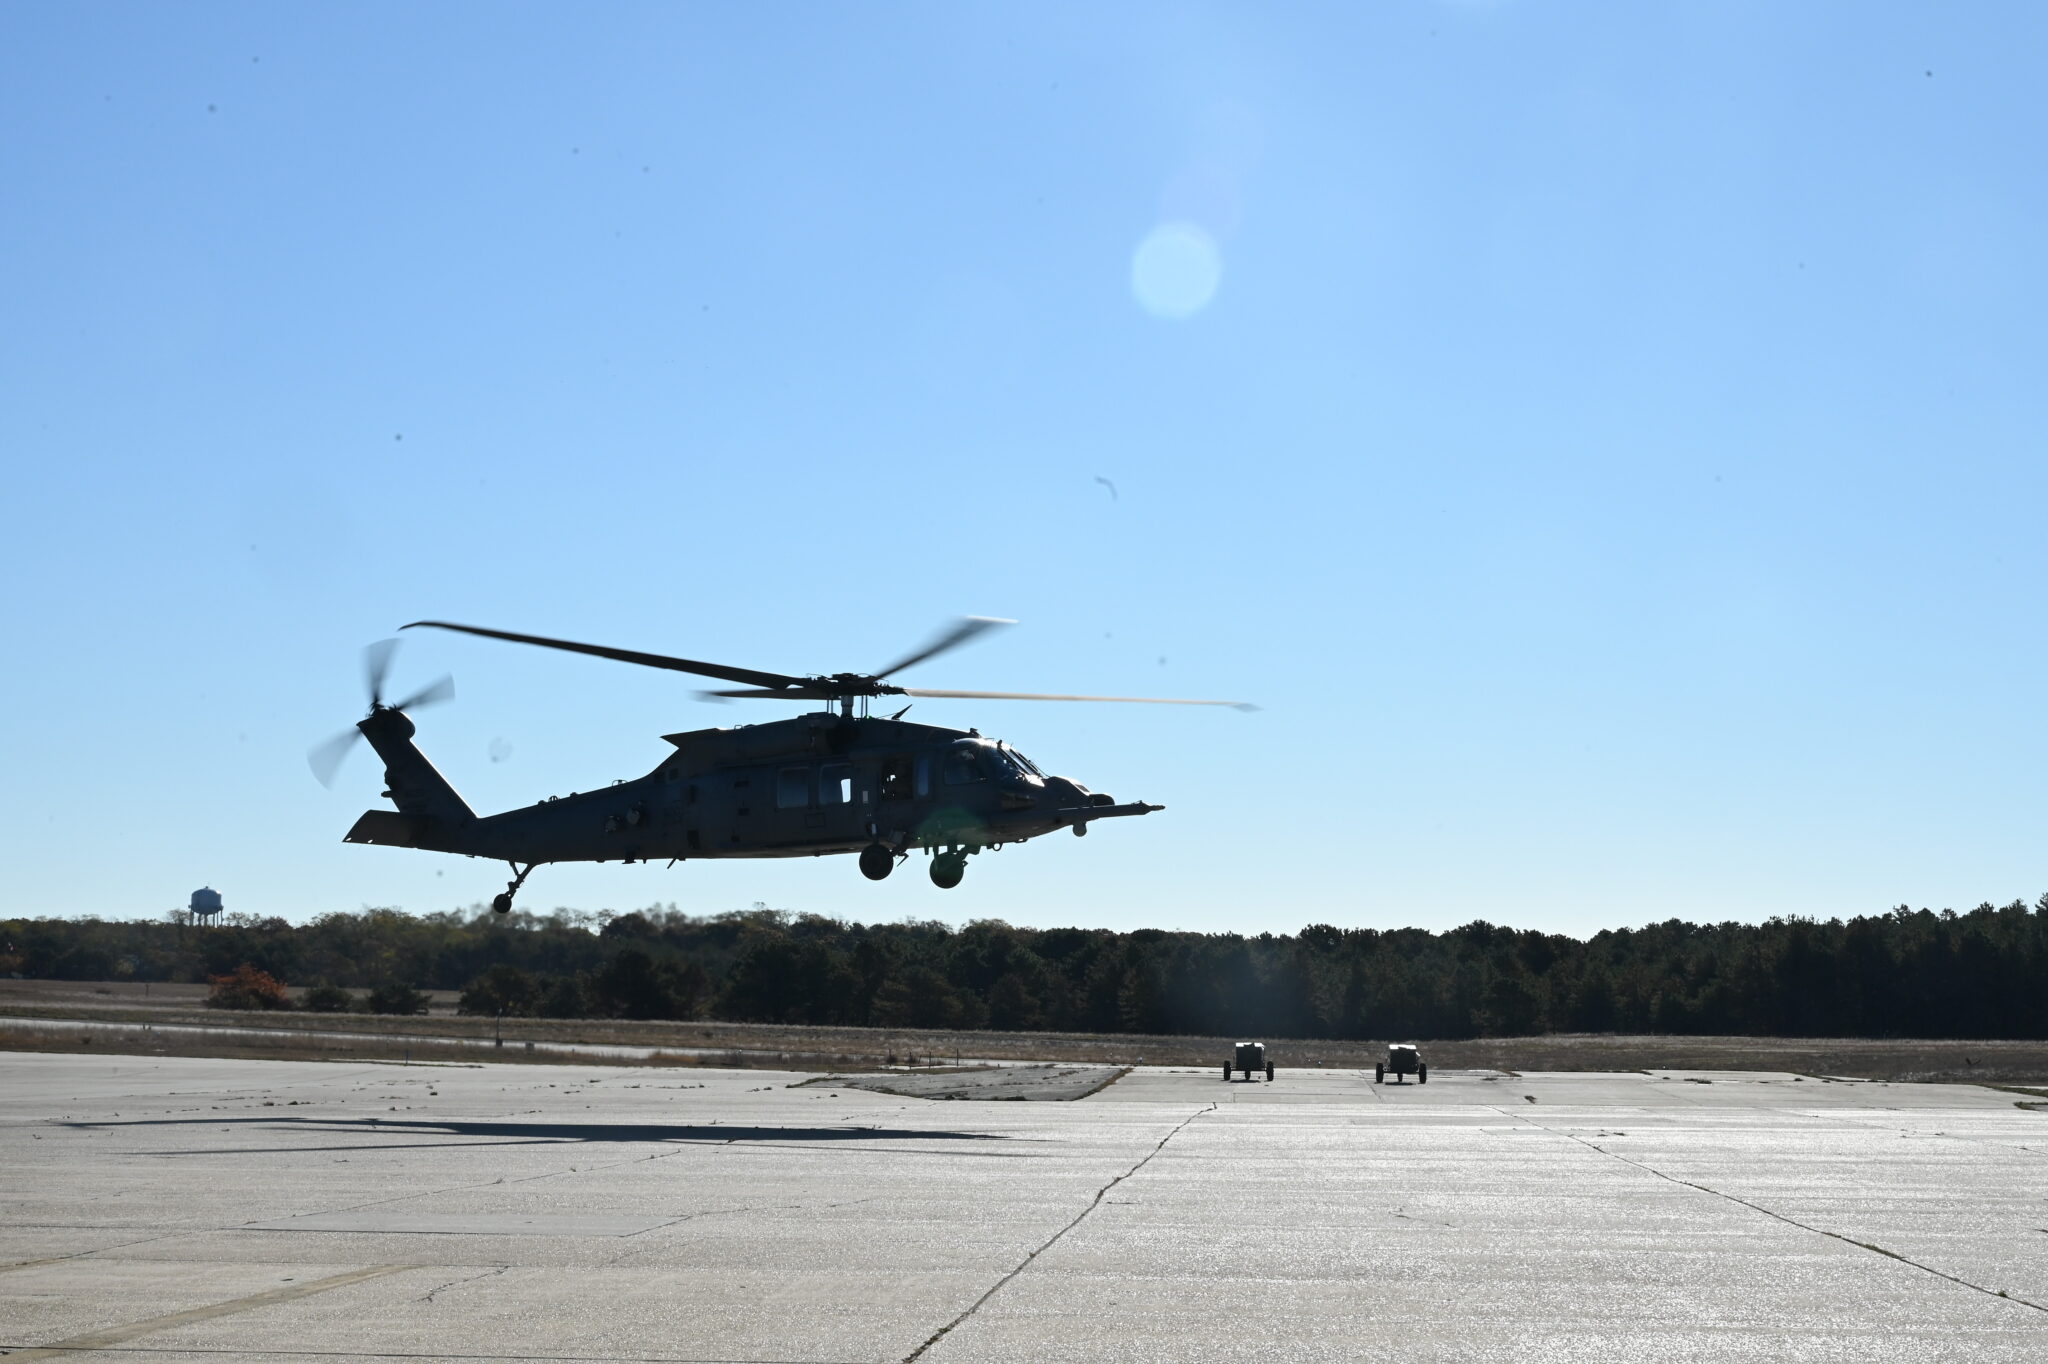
(531,1133)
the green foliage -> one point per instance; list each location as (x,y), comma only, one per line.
(1905,973)
(504,989)
(327,999)
(393,998)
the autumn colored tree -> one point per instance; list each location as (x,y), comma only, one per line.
(246,987)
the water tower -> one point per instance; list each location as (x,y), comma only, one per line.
(205,903)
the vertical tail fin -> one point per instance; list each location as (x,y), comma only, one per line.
(415,785)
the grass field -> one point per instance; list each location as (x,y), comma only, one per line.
(150,1013)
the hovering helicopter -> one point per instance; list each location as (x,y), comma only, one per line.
(831,781)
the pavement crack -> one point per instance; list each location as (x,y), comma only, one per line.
(1053,1240)
(1871,1246)
(493,1272)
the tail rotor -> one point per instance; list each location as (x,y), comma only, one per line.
(327,757)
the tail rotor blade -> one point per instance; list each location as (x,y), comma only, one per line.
(432,694)
(376,667)
(326,758)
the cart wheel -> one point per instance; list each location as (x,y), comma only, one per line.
(1422,1075)
(1226,1073)
(1269,1072)
(1379,1072)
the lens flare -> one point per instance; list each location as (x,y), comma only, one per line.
(1175,270)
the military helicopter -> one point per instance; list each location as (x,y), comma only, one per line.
(831,781)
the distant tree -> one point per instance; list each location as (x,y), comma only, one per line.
(919,997)
(688,986)
(1011,1004)
(631,987)
(565,997)
(504,989)
(327,999)
(393,998)
(245,987)
(1351,1005)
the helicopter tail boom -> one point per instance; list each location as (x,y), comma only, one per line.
(431,813)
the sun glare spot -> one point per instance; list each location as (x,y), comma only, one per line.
(1175,270)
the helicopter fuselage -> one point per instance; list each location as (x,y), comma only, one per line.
(813,785)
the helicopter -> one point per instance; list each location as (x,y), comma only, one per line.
(837,780)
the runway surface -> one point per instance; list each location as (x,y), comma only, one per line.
(255,1211)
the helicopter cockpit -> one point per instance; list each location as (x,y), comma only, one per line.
(973,760)
(1016,766)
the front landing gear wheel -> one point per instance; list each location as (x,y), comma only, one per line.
(876,862)
(501,904)
(947,870)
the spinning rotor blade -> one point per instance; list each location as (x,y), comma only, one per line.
(777,694)
(680,665)
(967,629)
(326,759)
(431,694)
(377,667)
(1040,696)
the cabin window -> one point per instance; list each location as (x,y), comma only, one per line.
(835,784)
(963,765)
(896,777)
(924,775)
(793,788)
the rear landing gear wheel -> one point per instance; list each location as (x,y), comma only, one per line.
(1269,1072)
(876,862)
(947,869)
(502,904)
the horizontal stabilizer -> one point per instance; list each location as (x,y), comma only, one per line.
(391,829)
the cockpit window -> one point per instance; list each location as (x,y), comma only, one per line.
(1018,758)
(963,765)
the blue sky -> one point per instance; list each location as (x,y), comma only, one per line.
(1606,440)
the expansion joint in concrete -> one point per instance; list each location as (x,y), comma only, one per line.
(1781,1217)
(1054,1239)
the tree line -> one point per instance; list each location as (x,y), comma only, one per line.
(1919,973)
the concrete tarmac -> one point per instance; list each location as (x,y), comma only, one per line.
(169,1208)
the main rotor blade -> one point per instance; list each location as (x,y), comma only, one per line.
(775,694)
(680,665)
(968,628)
(1039,696)
(326,758)
(377,666)
(432,694)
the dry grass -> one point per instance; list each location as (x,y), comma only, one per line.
(760,1045)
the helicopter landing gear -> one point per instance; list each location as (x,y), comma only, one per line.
(876,862)
(502,904)
(948,868)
